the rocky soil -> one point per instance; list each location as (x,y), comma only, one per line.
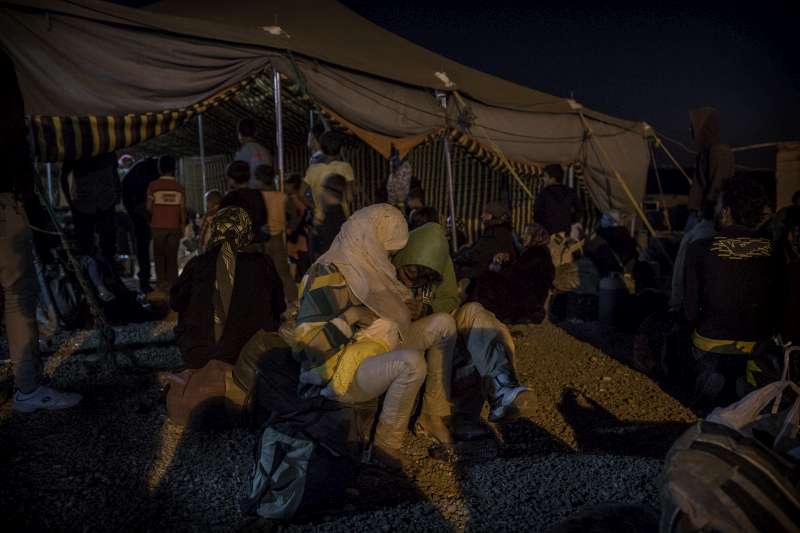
(116,463)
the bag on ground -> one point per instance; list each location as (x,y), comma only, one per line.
(205,398)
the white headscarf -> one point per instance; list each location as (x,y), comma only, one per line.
(361,253)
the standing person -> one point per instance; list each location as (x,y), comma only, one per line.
(557,207)
(18,287)
(323,233)
(251,151)
(714,165)
(276,203)
(314,146)
(331,144)
(213,199)
(134,199)
(240,194)
(166,202)
(93,198)
(731,295)
(497,238)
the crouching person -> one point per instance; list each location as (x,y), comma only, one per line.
(352,315)
(424,265)
(225,295)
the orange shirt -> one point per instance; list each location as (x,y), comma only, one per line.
(168,198)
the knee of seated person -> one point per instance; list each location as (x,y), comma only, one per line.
(468,312)
(414,363)
(443,324)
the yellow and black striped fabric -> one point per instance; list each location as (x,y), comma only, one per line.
(68,138)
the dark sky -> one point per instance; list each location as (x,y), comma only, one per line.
(646,61)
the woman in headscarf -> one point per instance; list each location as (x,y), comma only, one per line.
(225,295)
(353,313)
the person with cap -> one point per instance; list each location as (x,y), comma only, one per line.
(497,238)
(557,207)
(331,143)
(324,231)
(225,295)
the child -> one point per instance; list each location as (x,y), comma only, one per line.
(323,233)
(166,204)
(276,203)
(213,199)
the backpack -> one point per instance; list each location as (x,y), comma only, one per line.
(737,470)
(205,398)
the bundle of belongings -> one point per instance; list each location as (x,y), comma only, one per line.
(738,470)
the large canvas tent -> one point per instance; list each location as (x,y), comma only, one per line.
(98,77)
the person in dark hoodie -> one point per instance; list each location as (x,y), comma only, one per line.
(714,164)
(322,234)
(226,295)
(732,294)
(425,266)
(557,207)
(497,238)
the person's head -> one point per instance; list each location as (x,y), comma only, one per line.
(553,174)
(741,202)
(246,128)
(166,165)
(535,235)
(126,161)
(422,216)
(796,199)
(495,213)
(238,174)
(231,225)
(415,276)
(416,199)
(265,175)
(611,219)
(213,199)
(331,143)
(314,137)
(333,188)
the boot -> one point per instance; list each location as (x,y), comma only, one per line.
(436,428)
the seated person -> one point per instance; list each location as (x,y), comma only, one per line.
(225,295)
(420,217)
(339,341)
(519,289)
(612,249)
(325,230)
(241,195)
(497,238)
(424,265)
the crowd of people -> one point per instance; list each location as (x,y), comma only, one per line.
(378,302)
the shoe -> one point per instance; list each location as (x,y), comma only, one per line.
(435,428)
(509,400)
(44,398)
(391,459)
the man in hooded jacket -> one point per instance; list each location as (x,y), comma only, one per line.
(424,265)
(714,165)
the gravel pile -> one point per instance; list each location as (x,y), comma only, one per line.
(116,463)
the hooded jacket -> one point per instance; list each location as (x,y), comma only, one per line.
(556,208)
(427,246)
(497,238)
(715,162)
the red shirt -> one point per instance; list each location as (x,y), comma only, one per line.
(168,198)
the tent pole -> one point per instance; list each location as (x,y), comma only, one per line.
(276,86)
(202,143)
(448,161)
(49,167)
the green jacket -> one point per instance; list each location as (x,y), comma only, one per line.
(427,246)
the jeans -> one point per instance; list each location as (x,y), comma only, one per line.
(720,377)
(165,252)
(20,291)
(275,248)
(102,222)
(398,374)
(480,330)
(435,336)
(143,235)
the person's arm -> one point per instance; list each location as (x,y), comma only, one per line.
(183,209)
(305,192)
(446,298)
(277,300)
(150,198)
(66,169)
(577,208)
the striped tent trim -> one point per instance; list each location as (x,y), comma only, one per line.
(69,138)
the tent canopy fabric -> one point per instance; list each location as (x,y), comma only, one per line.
(87,58)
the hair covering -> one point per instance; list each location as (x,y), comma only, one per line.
(231,229)
(361,253)
(498,210)
(538,235)
(610,219)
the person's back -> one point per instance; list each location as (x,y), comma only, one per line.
(251,151)
(557,206)
(715,161)
(96,183)
(241,195)
(317,174)
(136,182)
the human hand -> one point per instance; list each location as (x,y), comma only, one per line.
(416,307)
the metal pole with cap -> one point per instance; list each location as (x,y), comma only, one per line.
(202,142)
(276,85)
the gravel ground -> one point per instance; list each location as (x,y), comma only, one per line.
(116,463)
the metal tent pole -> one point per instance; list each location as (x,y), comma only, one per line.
(448,161)
(202,143)
(276,86)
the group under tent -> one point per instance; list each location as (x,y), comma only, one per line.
(97,77)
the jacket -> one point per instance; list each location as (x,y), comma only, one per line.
(474,261)
(136,182)
(427,246)
(556,208)
(715,162)
(256,303)
(15,153)
(96,183)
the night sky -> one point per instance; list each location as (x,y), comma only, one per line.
(644,61)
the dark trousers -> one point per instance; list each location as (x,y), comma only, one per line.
(165,252)
(142,235)
(102,223)
(720,377)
